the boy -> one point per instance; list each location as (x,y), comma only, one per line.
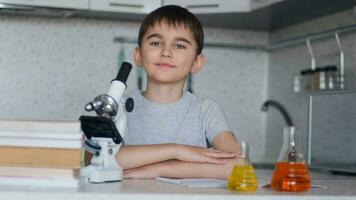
(169,130)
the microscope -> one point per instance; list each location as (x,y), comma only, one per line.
(104,132)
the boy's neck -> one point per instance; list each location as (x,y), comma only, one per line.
(163,94)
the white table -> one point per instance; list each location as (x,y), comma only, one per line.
(339,187)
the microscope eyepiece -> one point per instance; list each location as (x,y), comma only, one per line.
(124,72)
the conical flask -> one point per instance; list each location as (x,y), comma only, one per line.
(242,177)
(291,173)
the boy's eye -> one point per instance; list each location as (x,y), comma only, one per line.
(155,43)
(180,46)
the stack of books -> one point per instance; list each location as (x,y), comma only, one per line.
(40,153)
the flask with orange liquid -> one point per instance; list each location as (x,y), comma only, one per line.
(242,177)
(291,173)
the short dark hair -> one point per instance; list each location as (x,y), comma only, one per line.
(174,16)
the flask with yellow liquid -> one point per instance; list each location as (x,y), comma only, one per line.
(242,177)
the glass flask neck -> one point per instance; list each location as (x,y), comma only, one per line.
(244,153)
(291,148)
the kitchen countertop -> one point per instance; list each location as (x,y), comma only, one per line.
(339,187)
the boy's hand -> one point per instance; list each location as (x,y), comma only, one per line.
(181,169)
(189,153)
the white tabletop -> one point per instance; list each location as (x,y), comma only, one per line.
(339,187)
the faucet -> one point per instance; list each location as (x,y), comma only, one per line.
(280,108)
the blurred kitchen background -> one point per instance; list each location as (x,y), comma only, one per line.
(55,56)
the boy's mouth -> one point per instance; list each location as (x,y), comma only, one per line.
(165,65)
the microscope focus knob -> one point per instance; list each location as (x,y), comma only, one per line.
(93,105)
(108,108)
(129,104)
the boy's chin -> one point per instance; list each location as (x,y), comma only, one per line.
(168,80)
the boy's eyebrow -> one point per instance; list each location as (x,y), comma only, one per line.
(183,40)
(154,35)
(176,39)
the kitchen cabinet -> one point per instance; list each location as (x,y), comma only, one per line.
(125,6)
(212,6)
(72,4)
(195,6)
(257,4)
(146,6)
(261,15)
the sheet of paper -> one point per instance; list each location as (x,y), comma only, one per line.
(195,182)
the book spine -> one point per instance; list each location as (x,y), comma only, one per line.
(40,126)
(38,172)
(42,182)
(40,157)
(39,135)
(46,143)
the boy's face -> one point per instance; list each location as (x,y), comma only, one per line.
(168,53)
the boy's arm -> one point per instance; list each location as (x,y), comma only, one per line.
(132,156)
(181,169)
(226,141)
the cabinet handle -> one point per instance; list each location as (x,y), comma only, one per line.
(125,5)
(203,6)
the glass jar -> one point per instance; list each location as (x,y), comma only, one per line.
(307,79)
(242,177)
(291,172)
(332,78)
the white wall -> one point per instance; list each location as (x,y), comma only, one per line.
(50,67)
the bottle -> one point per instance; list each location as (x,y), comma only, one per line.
(331,76)
(297,83)
(307,77)
(242,177)
(290,173)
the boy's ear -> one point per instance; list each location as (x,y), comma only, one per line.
(138,56)
(198,63)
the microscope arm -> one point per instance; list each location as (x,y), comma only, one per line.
(106,130)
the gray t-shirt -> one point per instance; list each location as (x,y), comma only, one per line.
(187,121)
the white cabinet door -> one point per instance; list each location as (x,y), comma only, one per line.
(126,6)
(212,6)
(73,4)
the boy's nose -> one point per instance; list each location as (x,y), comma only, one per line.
(166,53)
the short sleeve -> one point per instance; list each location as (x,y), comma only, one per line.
(214,120)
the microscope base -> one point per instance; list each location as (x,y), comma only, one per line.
(95,175)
